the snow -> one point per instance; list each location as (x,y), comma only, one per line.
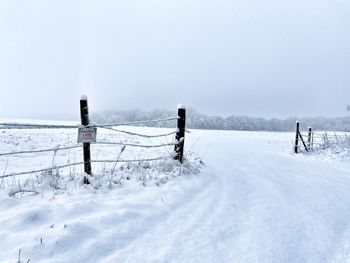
(83,97)
(253,201)
(181,106)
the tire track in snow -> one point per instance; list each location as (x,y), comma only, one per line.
(168,238)
(207,224)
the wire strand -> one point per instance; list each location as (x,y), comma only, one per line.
(41,170)
(25,126)
(137,145)
(131,123)
(47,126)
(43,150)
(141,135)
(80,163)
(131,160)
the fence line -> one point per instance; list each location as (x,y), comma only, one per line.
(131,123)
(137,145)
(319,135)
(97,143)
(41,170)
(142,135)
(56,167)
(87,135)
(27,126)
(131,160)
(323,140)
(331,135)
(311,147)
(43,150)
(49,126)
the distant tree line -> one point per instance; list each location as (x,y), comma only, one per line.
(197,120)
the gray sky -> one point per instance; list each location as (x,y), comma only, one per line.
(272,58)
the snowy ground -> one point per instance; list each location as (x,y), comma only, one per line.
(253,201)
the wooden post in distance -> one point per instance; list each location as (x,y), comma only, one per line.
(296,137)
(309,138)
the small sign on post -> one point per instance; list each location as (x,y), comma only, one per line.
(87,135)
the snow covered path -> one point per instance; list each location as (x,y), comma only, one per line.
(268,205)
(253,202)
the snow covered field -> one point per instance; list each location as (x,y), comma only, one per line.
(253,201)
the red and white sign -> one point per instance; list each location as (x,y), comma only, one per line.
(87,135)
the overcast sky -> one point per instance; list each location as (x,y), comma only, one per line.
(271,58)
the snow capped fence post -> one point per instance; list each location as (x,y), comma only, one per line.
(309,138)
(84,115)
(296,137)
(180,134)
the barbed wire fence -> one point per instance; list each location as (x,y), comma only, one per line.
(87,134)
(312,141)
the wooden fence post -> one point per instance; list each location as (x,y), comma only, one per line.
(309,138)
(296,137)
(180,134)
(84,116)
